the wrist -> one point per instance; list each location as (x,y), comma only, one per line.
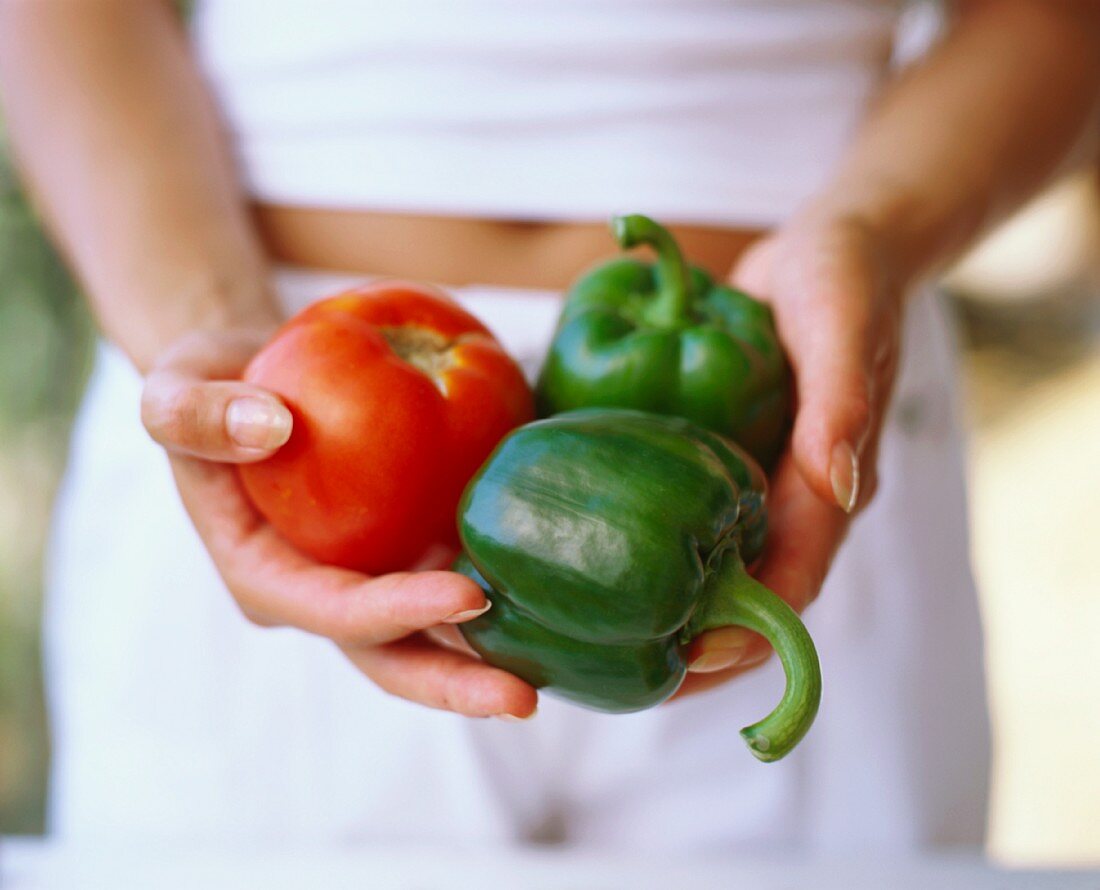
(205,302)
(912,239)
(839,236)
(214,303)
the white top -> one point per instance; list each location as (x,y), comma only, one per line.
(708,111)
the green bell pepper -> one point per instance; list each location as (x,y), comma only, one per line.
(607,540)
(666,338)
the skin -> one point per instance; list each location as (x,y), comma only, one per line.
(178,279)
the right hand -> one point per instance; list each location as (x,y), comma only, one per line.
(389,626)
(838,303)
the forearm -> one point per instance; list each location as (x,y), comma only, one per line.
(121,148)
(1009,99)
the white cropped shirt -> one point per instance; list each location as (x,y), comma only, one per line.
(695,111)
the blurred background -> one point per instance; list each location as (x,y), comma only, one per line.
(45,339)
(1028,306)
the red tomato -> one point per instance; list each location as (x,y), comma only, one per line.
(398,396)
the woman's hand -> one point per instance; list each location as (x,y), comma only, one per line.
(947,149)
(388,626)
(837,307)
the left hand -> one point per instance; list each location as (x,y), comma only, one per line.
(837,306)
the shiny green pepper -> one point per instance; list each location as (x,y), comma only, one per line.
(666,338)
(607,540)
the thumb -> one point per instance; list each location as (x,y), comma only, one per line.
(217,420)
(193,405)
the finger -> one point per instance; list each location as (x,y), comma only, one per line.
(719,649)
(804,534)
(417,670)
(695,683)
(188,408)
(831,317)
(275,584)
(830,350)
(224,421)
(803,537)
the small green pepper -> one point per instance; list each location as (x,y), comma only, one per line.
(666,338)
(607,540)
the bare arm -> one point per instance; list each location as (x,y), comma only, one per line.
(120,143)
(1009,99)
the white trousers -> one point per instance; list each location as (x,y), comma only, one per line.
(174,720)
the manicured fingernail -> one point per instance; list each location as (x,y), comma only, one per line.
(725,647)
(512,718)
(459,617)
(257,423)
(844,476)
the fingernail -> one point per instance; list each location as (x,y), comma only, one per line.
(512,718)
(257,423)
(844,476)
(716,660)
(725,647)
(459,617)
(759,658)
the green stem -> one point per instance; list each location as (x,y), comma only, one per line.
(670,305)
(735,597)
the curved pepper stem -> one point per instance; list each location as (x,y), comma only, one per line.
(670,305)
(735,597)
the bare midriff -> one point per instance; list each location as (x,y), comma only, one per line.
(458,251)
